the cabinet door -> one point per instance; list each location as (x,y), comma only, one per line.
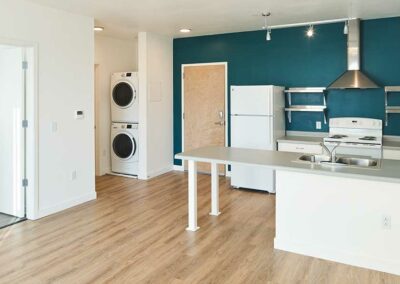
(391,154)
(300,148)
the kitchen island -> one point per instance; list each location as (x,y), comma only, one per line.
(345,214)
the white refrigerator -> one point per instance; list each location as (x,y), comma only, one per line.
(257,120)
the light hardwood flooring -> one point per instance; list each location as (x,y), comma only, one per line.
(135,233)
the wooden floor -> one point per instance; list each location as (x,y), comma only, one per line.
(135,233)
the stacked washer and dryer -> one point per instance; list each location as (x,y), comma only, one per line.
(125,123)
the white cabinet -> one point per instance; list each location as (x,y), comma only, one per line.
(300,147)
(391,154)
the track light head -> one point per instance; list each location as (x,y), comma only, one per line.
(268,36)
(265,27)
(346,28)
(310,31)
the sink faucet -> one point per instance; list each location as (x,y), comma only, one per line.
(332,152)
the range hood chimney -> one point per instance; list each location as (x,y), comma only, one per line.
(353,78)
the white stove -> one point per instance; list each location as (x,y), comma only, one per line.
(355,136)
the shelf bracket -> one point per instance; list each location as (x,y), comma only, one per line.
(289,115)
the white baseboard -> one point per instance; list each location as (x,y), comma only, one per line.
(157,173)
(65,205)
(122,175)
(334,254)
(178,168)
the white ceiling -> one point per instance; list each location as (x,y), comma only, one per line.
(124,18)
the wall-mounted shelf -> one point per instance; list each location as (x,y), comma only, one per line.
(306,90)
(390,109)
(305,108)
(393,109)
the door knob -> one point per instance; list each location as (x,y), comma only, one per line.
(222,123)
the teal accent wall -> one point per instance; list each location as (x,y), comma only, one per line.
(293,60)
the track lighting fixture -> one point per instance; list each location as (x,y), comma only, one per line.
(268,37)
(265,27)
(346,27)
(310,31)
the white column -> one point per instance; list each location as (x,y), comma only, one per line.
(214,190)
(192,196)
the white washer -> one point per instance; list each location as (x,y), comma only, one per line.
(125,148)
(124,97)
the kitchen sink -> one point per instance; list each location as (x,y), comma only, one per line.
(314,158)
(341,161)
(359,162)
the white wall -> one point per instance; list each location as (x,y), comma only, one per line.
(111,55)
(65,53)
(155,96)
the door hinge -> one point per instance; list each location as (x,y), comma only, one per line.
(25,182)
(183,75)
(24,65)
(25,123)
(183,115)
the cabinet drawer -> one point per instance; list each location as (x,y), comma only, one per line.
(391,154)
(300,148)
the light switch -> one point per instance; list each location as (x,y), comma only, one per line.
(318,125)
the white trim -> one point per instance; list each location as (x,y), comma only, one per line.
(183,102)
(98,145)
(32,133)
(121,175)
(341,256)
(157,173)
(66,204)
(178,168)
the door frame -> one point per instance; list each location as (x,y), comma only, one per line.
(225,64)
(98,156)
(32,132)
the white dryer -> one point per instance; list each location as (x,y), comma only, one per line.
(125,148)
(124,97)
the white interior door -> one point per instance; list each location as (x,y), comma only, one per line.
(12,141)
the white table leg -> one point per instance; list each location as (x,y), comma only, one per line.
(192,197)
(214,190)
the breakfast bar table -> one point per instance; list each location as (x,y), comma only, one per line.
(321,210)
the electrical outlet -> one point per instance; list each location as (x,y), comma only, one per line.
(318,125)
(73,175)
(387,222)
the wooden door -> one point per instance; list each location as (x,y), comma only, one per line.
(204,108)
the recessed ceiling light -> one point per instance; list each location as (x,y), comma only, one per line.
(98,29)
(185,30)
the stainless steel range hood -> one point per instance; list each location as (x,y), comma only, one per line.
(353,78)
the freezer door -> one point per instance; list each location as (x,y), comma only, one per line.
(252,100)
(252,132)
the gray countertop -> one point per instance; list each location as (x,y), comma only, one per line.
(389,170)
(387,144)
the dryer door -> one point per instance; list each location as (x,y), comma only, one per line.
(123,94)
(124,146)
